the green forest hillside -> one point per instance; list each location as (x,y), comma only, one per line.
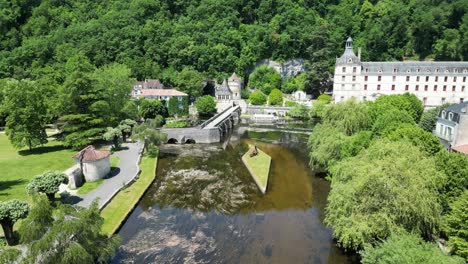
(180,41)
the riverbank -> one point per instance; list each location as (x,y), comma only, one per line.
(117,210)
(258,166)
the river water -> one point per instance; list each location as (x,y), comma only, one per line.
(204,207)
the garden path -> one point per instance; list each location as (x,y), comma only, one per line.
(128,169)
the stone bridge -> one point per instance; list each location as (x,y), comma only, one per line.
(213,130)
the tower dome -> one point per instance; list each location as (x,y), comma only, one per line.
(348,56)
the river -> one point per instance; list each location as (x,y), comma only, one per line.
(204,207)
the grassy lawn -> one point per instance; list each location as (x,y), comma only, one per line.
(123,203)
(18,167)
(89,186)
(258,166)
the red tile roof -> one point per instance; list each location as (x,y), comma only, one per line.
(161,92)
(90,154)
(462,149)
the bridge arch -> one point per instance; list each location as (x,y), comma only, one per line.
(172,141)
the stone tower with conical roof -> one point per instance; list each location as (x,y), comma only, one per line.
(235,85)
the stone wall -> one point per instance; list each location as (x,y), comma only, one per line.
(96,170)
(181,135)
(75,176)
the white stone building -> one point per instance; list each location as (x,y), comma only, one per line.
(434,83)
(94,164)
(452,127)
(230,89)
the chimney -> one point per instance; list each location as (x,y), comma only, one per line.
(359,53)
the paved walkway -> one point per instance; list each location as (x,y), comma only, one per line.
(221,117)
(128,169)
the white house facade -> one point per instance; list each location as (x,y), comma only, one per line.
(452,127)
(434,83)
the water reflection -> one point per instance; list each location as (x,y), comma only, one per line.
(205,208)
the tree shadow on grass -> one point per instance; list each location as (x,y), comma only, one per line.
(41,150)
(67,198)
(7,184)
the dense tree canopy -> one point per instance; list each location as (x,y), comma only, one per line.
(407,248)
(206,106)
(381,191)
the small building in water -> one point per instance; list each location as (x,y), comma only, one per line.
(94,164)
(452,127)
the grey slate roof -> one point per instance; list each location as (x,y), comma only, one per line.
(457,108)
(348,56)
(222,89)
(416,67)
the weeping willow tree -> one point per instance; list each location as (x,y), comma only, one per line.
(65,234)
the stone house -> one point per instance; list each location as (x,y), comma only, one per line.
(452,127)
(94,164)
(229,89)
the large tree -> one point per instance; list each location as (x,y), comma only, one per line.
(389,187)
(10,212)
(26,114)
(149,132)
(265,79)
(74,235)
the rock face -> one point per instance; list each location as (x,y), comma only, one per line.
(287,69)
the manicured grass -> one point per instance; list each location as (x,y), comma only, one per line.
(123,203)
(114,161)
(89,186)
(258,166)
(18,167)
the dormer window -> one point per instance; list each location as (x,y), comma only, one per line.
(444,114)
(456,70)
(436,70)
(380,70)
(408,71)
(350,60)
(367,69)
(450,116)
(418,70)
(394,70)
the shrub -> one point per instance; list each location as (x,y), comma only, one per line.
(324,98)
(206,106)
(257,98)
(276,97)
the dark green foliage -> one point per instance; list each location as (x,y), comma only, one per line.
(293,84)
(150,108)
(406,248)
(386,188)
(429,118)
(10,212)
(257,98)
(74,236)
(356,143)
(114,134)
(424,140)
(149,132)
(455,167)
(206,106)
(245,93)
(47,183)
(25,108)
(275,97)
(318,109)
(456,223)
(39,219)
(176,107)
(265,79)
(390,120)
